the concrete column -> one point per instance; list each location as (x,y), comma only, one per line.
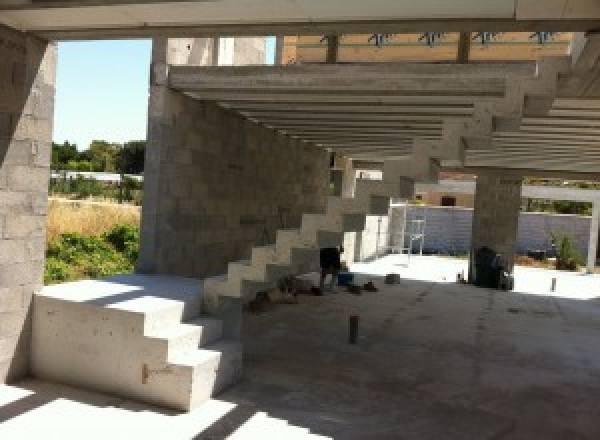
(27,80)
(216,48)
(279,46)
(352,240)
(593,243)
(496,215)
(349,177)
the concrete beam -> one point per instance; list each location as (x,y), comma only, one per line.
(93,19)
(407,109)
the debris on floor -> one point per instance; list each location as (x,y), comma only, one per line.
(370,287)
(295,285)
(345,278)
(354,289)
(260,304)
(392,278)
(278,296)
(316,291)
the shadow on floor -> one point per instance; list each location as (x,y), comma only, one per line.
(433,360)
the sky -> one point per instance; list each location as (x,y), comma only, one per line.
(102,90)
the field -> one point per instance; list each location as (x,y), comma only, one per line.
(90,240)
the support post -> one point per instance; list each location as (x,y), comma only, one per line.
(464,48)
(216,50)
(279,46)
(333,43)
(27,100)
(348,187)
(496,217)
(593,243)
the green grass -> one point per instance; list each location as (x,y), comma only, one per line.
(72,256)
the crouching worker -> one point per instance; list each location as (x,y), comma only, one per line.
(330,265)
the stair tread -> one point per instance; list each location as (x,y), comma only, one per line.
(195,357)
(269,247)
(218,278)
(242,262)
(173,331)
(223,345)
(204,321)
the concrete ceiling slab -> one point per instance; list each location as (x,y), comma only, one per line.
(557,9)
(144,18)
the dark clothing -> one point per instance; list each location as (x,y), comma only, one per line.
(330,258)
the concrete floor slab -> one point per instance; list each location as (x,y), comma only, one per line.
(434,360)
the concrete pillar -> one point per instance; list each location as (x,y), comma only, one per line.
(216,49)
(279,46)
(27,81)
(593,243)
(348,177)
(347,181)
(496,215)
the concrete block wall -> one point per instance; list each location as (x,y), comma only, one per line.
(448,230)
(217,184)
(535,230)
(27,78)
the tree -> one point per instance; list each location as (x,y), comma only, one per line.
(62,154)
(132,157)
(103,155)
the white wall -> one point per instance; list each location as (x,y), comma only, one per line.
(448,230)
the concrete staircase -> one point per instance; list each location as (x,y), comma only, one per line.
(523,97)
(140,337)
(296,251)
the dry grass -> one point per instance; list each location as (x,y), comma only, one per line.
(522,260)
(88,218)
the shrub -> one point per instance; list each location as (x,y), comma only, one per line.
(73,256)
(126,239)
(56,270)
(567,256)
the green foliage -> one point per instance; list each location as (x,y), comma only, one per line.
(126,239)
(567,256)
(62,154)
(83,188)
(132,157)
(100,156)
(104,155)
(74,256)
(558,206)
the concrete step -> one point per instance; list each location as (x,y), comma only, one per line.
(332,222)
(184,336)
(206,371)
(298,260)
(244,289)
(211,330)
(368,204)
(260,271)
(294,238)
(131,343)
